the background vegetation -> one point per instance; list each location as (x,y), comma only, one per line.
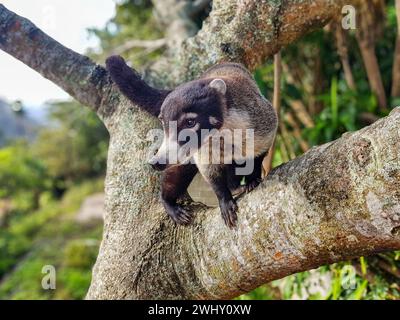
(332,81)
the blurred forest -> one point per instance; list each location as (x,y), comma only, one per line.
(331,81)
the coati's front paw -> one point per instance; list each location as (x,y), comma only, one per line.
(229,210)
(180,215)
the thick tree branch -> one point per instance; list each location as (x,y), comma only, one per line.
(338,201)
(86,81)
(247,31)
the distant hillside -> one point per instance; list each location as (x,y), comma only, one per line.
(16,124)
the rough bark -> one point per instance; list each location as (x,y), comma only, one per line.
(248,31)
(338,201)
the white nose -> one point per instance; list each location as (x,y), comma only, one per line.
(157,163)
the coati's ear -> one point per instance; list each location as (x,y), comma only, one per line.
(133,87)
(219,85)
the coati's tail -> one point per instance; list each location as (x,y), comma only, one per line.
(133,87)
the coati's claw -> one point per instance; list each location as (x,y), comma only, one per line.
(180,215)
(228,210)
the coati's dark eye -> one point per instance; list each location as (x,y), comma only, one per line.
(190,123)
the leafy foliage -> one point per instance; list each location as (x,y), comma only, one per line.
(133,20)
(21,173)
(49,236)
(76,146)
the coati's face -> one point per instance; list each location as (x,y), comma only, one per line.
(189,114)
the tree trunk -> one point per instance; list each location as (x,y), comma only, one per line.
(396,70)
(370,17)
(315,104)
(341,45)
(374,73)
(396,63)
(336,202)
(267,162)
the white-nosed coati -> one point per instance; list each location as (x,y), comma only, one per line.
(223,99)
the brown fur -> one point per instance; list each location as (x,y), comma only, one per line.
(225,97)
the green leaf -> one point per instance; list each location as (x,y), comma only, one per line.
(363,263)
(334,102)
(359,292)
(336,286)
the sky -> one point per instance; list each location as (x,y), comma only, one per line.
(64,20)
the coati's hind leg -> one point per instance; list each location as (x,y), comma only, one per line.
(174,183)
(216,175)
(254,179)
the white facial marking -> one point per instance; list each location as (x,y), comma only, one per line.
(190,115)
(167,153)
(171,152)
(196,127)
(213,120)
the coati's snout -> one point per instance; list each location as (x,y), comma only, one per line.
(177,148)
(160,160)
(156,165)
